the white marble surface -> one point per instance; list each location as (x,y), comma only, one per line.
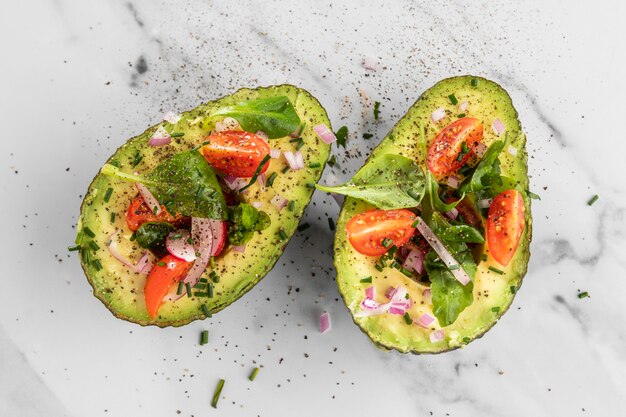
(79,77)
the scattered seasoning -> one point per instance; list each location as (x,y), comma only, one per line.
(161,263)
(253,374)
(179,290)
(367,135)
(270,180)
(112,217)
(331,224)
(496,270)
(204,337)
(291,206)
(513,289)
(107,195)
(188,289)
(177,134)
(593,200)
(453,99)
(376,110)
(315,165)
(93,245)
(73,248)
(474,82)
(88,232)
(303,226)
(332,160)
(257,171)
(366,279)
(216,395)
(583,294)
(495,309)
(407,318)
(282,234)
(483,257)
(206,310)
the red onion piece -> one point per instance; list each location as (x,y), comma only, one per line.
(235,183)
(294,160)
(148,198)
(177,243)
(262,135)
(171,117)
(324,322)
(427,295)
(437,336)
(279,201)
(398,304)
(425,320)
(299,159)
(240,249)
(485,203)
(256,204)
(454,181)
(370,292)
(261,181)
(438,246)
(498,126)
(415,261)
(452,214)
(227,124)
(438,114)
(512,150)
(202,235)
(464,105)
(160,137)
(275,153)
(370,64)
(480,149)
(143,265)
(325,134)
(218,229)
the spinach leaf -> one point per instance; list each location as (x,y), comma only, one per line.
(342,135)
(388,182)
(462,233)
(449,296)
(184,183)
(245,221)
(151,235)
(274,115)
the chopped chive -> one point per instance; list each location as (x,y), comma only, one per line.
(179,290)
(188,289)
(331,224)
(453,99)
(367,136)
(310,185)
(376,110)
(496,270)
(204,337)
(303,226)
(391,251)
(212,262)
(415,223)
(513,289)
(161,263)
(254,373)
(291,206)
(256,172)
(206,310)
(533,195)
(474,82)
(342,136)
(177,134)
(93,245)
(282,234)
(366,279)
(112,217)
(285,169)
(88,232)
(407,318)
(495,309)
(204,280)
(206,142)
(387,242)
(295,140)
(467,339)
(483,257)
(315,165)
(583,294)
(453,267)
(593,200)
(96,264)
(199,286)
(380,268)
(332,160)
(133,237)
(300,145)
(460,115)
(137,160)
(214,277)
(73,248)
(155,209)
(270,180)
(395,265)
(216,395)
(107,195)
(406,272)
(209,290)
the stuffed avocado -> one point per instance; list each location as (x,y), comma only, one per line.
(187,217)
(433,237)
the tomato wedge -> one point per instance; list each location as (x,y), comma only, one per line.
(236,153)
(167,272)
(443,154)
(366,231)
(505,224)
(139,213)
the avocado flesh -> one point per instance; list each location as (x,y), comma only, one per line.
(121,289)
(487,100)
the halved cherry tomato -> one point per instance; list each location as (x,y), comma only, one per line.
(443,154)
(366,231)
(138,213)
(236,153)
(505,224)
(167,272)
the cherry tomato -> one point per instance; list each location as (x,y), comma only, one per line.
(236,153)
(139,213)
(366,231)
(167,272)
(505,224)
(443,154)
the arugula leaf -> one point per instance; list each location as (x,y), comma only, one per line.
(449,296)
(376,110)
(184,183)
(274,115)
(151,235)
(245,221)
(462,233)
(342,135)
(388,182)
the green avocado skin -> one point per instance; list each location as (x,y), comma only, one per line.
(493,293)
(121,289)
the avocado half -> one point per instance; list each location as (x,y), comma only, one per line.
(493,293)
(121,290)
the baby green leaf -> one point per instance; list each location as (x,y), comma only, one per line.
(152,235)
(388,182)
(462,233)
(274,115)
